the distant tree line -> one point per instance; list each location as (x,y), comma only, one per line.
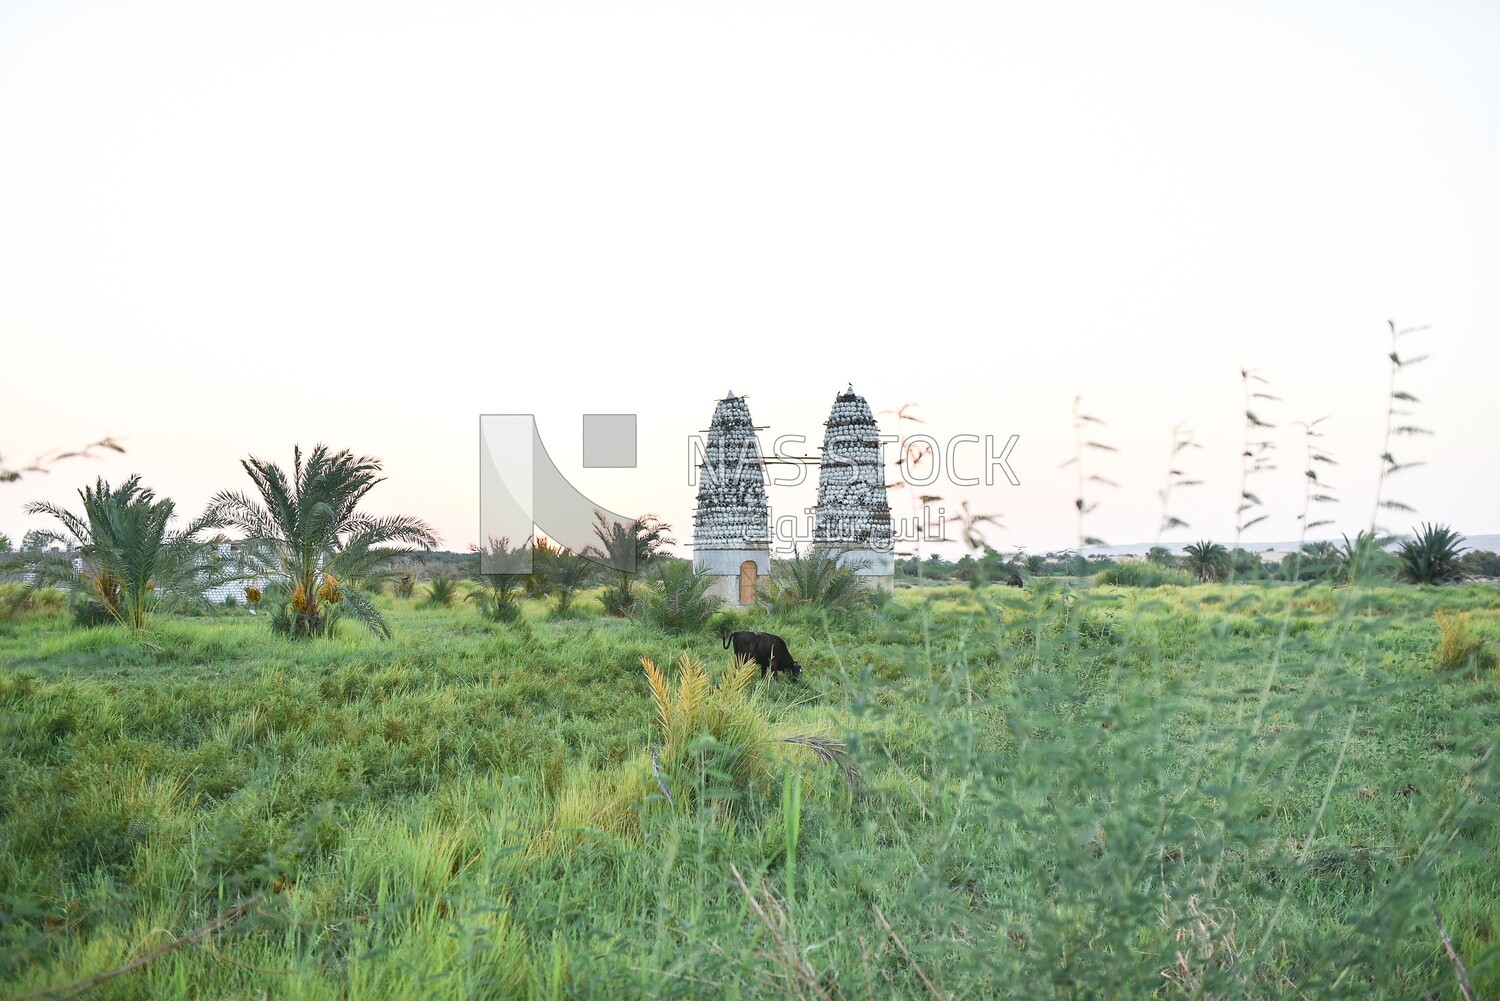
(1433,555)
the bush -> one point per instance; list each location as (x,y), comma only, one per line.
(566,575)
(618,598)
(1460,648)
(678,600)
(1364,559)
(712,743)
(1139,574)
(499,588)
(731,620)
(24,599)
(442,590)
(816,579)
(1480,563)
(89,612)
(497,604)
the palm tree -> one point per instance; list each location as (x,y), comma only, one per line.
(568,573)
(499,591)
(133,564)
(1432,556)
(627,548)
(305,532)
(1363,558)
(1208,561)
(1314,561)
(816,578)
(442,589)
(538,583)
(678,600)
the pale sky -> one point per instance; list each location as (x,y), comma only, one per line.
(226,229)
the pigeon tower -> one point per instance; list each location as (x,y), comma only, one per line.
(731,529)
(853,515)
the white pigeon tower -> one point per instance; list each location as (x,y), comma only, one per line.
(854,516)
(732,526)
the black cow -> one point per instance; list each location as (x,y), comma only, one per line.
(1015,581)
(766,649)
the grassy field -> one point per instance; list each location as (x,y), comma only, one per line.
(1216,791)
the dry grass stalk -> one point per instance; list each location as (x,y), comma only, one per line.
(202,932)
(830,752)
(800,974)
(1207,940)
(906,954)
(1458,964)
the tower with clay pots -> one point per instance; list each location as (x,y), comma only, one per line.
(731,527)
(853,515)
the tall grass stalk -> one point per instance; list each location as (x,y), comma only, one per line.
(791,815)
(1176,479)
(1085,444)
(1398,399)
(1255,455)
(1315,490)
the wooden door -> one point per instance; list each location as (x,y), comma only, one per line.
(747,582)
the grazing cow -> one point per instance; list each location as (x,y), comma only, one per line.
(1015,581)
(766,649)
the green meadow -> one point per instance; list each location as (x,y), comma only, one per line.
(1073,791)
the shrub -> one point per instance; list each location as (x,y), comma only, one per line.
(618,598)
(567,574)
(815,579)
(1363,559)
(1460,648)
(731,620)
(1480,563)
(678,600)
(500,588)
(1313,561)
(626,548)
(88,612)
(1161,556)
(1141,574)
(24,599)
(441,591)
(1247,566)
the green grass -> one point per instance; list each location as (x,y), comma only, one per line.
(1254,790)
